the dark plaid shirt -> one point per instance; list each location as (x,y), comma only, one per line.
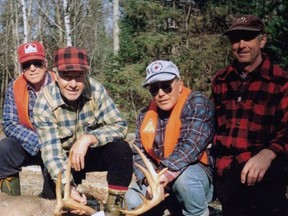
(250,113)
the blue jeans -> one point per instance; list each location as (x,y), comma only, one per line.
(192,188)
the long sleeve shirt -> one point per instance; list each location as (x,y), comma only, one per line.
(196,133)
(250,113)
(12,127)
(60,125)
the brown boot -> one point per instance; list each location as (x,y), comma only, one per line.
(11,185)
(115,202)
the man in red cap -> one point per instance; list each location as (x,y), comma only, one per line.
(76,115)
(251,142)
(21,146)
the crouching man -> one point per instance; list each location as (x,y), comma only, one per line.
(76,115)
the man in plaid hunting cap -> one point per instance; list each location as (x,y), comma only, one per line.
(251,142)
(75,114)
(21,146)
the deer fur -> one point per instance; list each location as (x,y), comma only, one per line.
(25,205)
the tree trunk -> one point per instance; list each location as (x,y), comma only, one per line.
(67,23)
(115,27)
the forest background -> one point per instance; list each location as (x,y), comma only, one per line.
(123,37)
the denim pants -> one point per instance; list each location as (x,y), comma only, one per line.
(193,189)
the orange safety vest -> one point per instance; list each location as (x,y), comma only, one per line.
(21,96)
(149,126)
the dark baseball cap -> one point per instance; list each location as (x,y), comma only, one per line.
(246,23)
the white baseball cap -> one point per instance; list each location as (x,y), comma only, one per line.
(159,71)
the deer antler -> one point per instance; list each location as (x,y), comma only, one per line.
(67,201)
(153,180)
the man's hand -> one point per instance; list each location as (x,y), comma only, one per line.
(79,150)
(81,199)
(255,169)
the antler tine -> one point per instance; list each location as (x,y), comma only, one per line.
(67,201)
(153,180)
(59,203)
(67,189)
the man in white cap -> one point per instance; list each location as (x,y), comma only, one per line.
(174,132)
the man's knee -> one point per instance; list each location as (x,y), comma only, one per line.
(9,145)
(132,198)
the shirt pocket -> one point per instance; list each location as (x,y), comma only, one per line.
(225,111)
(260,118)
(66,136)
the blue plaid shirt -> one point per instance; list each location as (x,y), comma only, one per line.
(11,124)
(60,125)
(197,132)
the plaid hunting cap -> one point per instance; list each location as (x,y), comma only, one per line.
(159,71)
(246,23)
(31,51)
(71,59)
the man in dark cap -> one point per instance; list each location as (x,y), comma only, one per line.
(76,115)
(251,141)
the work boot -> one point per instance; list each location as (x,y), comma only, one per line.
(49,187)
(11,185)
(115,202)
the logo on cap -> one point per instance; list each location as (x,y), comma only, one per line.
(30,48)
(242,20)
(156,67)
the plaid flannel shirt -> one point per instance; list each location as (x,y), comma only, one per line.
(250,113)
(196,133)
(59,125)
(12,127)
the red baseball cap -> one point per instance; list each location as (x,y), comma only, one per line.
(71,59)
(31,51)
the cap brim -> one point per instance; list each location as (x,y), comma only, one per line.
(242,29)
(160,77)
(30,58)
(73,67)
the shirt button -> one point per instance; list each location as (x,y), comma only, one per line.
(238,123)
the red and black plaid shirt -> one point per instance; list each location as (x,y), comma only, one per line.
(250,113)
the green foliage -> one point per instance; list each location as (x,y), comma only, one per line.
(189,33)
(125,87)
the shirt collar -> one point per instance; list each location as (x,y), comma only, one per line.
(263,70)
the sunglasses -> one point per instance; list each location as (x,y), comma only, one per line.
(26,66)
(237,36)
(166,87)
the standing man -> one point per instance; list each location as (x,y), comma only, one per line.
(76,115)
(174,132)
(21,145)
(251,141)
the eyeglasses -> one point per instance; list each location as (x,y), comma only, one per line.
(26,66)
(166,87)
